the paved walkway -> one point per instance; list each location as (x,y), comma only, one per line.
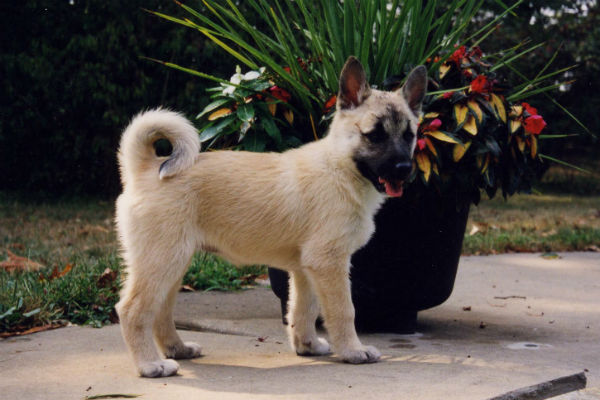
(512,321)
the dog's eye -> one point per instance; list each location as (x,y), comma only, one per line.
(377,135)
(408,135)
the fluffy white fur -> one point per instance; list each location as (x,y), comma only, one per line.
(305,211)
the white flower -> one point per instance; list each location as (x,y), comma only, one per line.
(236,79)
(251,75)
(229,89)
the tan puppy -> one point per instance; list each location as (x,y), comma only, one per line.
(306,211)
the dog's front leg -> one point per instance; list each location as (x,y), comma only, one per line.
(303,313)
(332,283)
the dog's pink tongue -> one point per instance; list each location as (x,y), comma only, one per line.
(392,190)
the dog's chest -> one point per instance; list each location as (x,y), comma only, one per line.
(364,220)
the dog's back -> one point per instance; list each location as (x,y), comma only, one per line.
(229,199)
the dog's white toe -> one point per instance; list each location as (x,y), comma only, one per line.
(157,369)
(318,347)
(366,354)
(185,351)
(192,350)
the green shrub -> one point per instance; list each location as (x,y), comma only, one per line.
(71,77)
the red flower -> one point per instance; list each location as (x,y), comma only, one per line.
(421,144)
(280,93)
(434,125)
(330,103)
(447,95)
(480,84)
(458,55)
(475,52)
(534,124)
(529,109)
(303,65)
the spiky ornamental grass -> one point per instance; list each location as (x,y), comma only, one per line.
(488,138)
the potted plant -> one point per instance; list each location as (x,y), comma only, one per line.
(475,134)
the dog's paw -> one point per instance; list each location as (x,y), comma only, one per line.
(185,351)
(365,354)
(317,347)
(157,369)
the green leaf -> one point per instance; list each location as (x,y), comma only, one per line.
(212,106)
(190,71)
(8,312)
(257,85)
(558,136)
(213,130)
(566,164)
(271,129)
(493,146)
(255,142)
(228,48)
(32,312)
(245,112)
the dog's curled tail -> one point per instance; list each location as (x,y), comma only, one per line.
(137,153)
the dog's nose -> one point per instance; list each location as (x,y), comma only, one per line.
(403,168)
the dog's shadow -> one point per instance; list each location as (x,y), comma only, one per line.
(425,354)
(310,376)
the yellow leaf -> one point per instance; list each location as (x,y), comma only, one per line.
(431,115)
(470,126)
(521,144)
(516,111)
(431,147)
(460,113)
(460,150)
(289,116)
(444,68)
(435,169)
(272,108)
(474,107)
(486,164)
(439,135)
(534,146)
(424,165)
(219,113)
(514,125)
(479,160)
(499,107)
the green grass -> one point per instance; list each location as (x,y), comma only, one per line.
(81,296)
(80,233)
(534,223)
(208,272)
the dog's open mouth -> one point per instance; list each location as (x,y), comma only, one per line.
(393,188)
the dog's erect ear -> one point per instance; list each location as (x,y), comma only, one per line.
(354,88)
(415,87)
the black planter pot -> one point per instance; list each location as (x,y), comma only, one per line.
(409,264)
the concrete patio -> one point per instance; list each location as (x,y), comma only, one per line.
(512,321)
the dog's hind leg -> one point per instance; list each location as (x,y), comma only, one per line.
(165,334)
(332,284)
(303,312)
(150,280)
